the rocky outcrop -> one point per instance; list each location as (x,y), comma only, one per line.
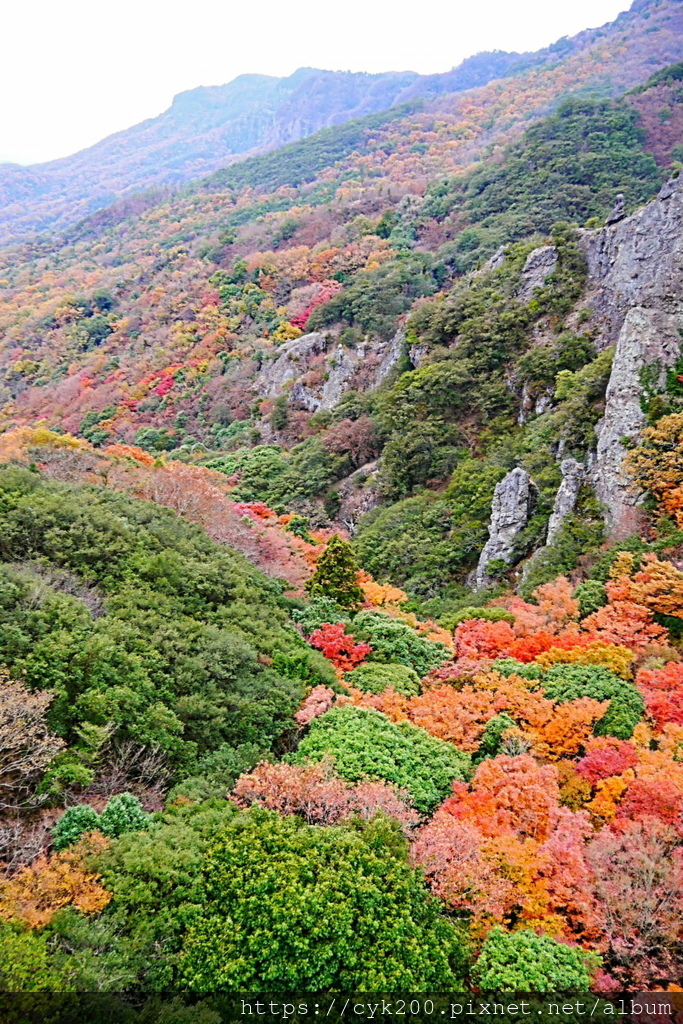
(538,267)
(513,502)
(635,294)
(573,474)
(566,497)
(315,370)
(359,494)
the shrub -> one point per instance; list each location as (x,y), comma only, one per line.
(123,813)
(523,961)
(570,682)
(74,823)
(316,612)
(375,678)
(366,745)
(591,595)
(511,667)
(289,906)
(392,640)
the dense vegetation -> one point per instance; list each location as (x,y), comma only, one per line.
(257,730)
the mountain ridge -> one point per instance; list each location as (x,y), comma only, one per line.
(210,127)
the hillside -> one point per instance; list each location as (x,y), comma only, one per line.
(209,127)
(341,557)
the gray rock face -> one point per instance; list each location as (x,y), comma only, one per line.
(339,369)
(565,499)
(618,211)
(359,494)
(513,502)
(539,265)
(635,291)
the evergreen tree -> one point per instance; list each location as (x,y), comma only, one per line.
(336,575)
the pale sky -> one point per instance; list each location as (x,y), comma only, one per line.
(74,71)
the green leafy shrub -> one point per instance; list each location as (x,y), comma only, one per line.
(512,667)
(591,595)
(123,813)
(393,640)
(288,906)
(488,614)
(626,708)
(523,961)
(74,823)
(366,744)
(375,678)
(318,610)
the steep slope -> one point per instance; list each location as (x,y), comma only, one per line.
(207,128)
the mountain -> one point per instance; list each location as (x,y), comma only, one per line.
(210,127)
(341,555)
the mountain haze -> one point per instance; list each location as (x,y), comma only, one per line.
(210,127)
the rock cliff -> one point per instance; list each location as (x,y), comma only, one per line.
(635,294)
(513,501)
(315,370)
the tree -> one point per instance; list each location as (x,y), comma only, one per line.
(336,575)
(37,892)
(638,882)
(375,678)
(523,961)
(509,795)
(317,795)
(73,824)
(364,744)
(339,646)
(289,906)
(394,641)
(26,744)
(607,757)
(123,813)
(477,638)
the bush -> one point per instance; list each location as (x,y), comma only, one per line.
(74,823)
(488,614)
(366,745)
(591,595)
(318,611)
(393,640)
(512,667)
(294,907)
(523,961)
(374,678)
(123,813)
(570,682)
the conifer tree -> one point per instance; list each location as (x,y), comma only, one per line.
(336,575)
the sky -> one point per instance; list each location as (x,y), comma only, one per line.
(74,71)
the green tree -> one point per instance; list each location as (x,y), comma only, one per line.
(123,813)
(289,906)
(336,575)
(73,824)
(526,962)
(365,744)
